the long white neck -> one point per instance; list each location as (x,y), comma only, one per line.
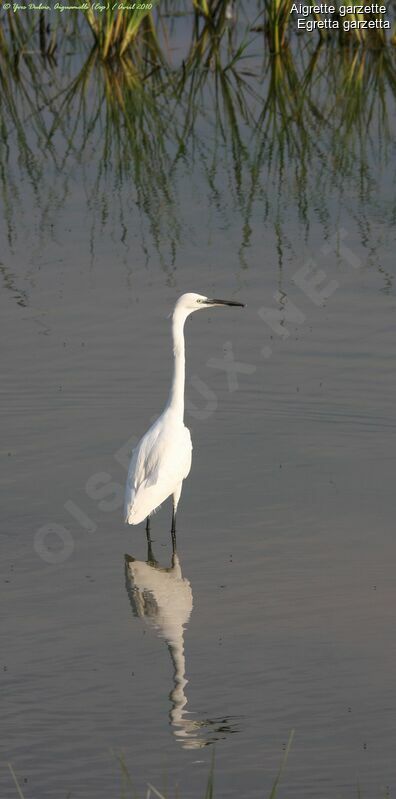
(176,396)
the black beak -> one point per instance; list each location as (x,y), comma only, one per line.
(224,302)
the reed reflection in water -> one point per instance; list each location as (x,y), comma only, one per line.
(304,130)
(162,598)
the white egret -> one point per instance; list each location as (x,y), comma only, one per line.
(162,458)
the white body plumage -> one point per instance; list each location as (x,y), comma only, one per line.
(159,464)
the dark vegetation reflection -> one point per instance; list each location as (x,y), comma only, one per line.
(281,120)
(162,598)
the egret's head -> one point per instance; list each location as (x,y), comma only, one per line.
(196,302)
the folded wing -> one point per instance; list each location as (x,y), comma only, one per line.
(159,463)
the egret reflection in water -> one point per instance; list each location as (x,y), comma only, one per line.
(163,599)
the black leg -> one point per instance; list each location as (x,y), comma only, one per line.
(173,530)
(150,555)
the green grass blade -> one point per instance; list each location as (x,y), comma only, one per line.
(210,785)
(282,767)
(14,777)
(155,792)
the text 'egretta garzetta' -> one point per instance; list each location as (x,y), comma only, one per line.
(162,458)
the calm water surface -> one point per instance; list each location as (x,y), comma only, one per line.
(279,612)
